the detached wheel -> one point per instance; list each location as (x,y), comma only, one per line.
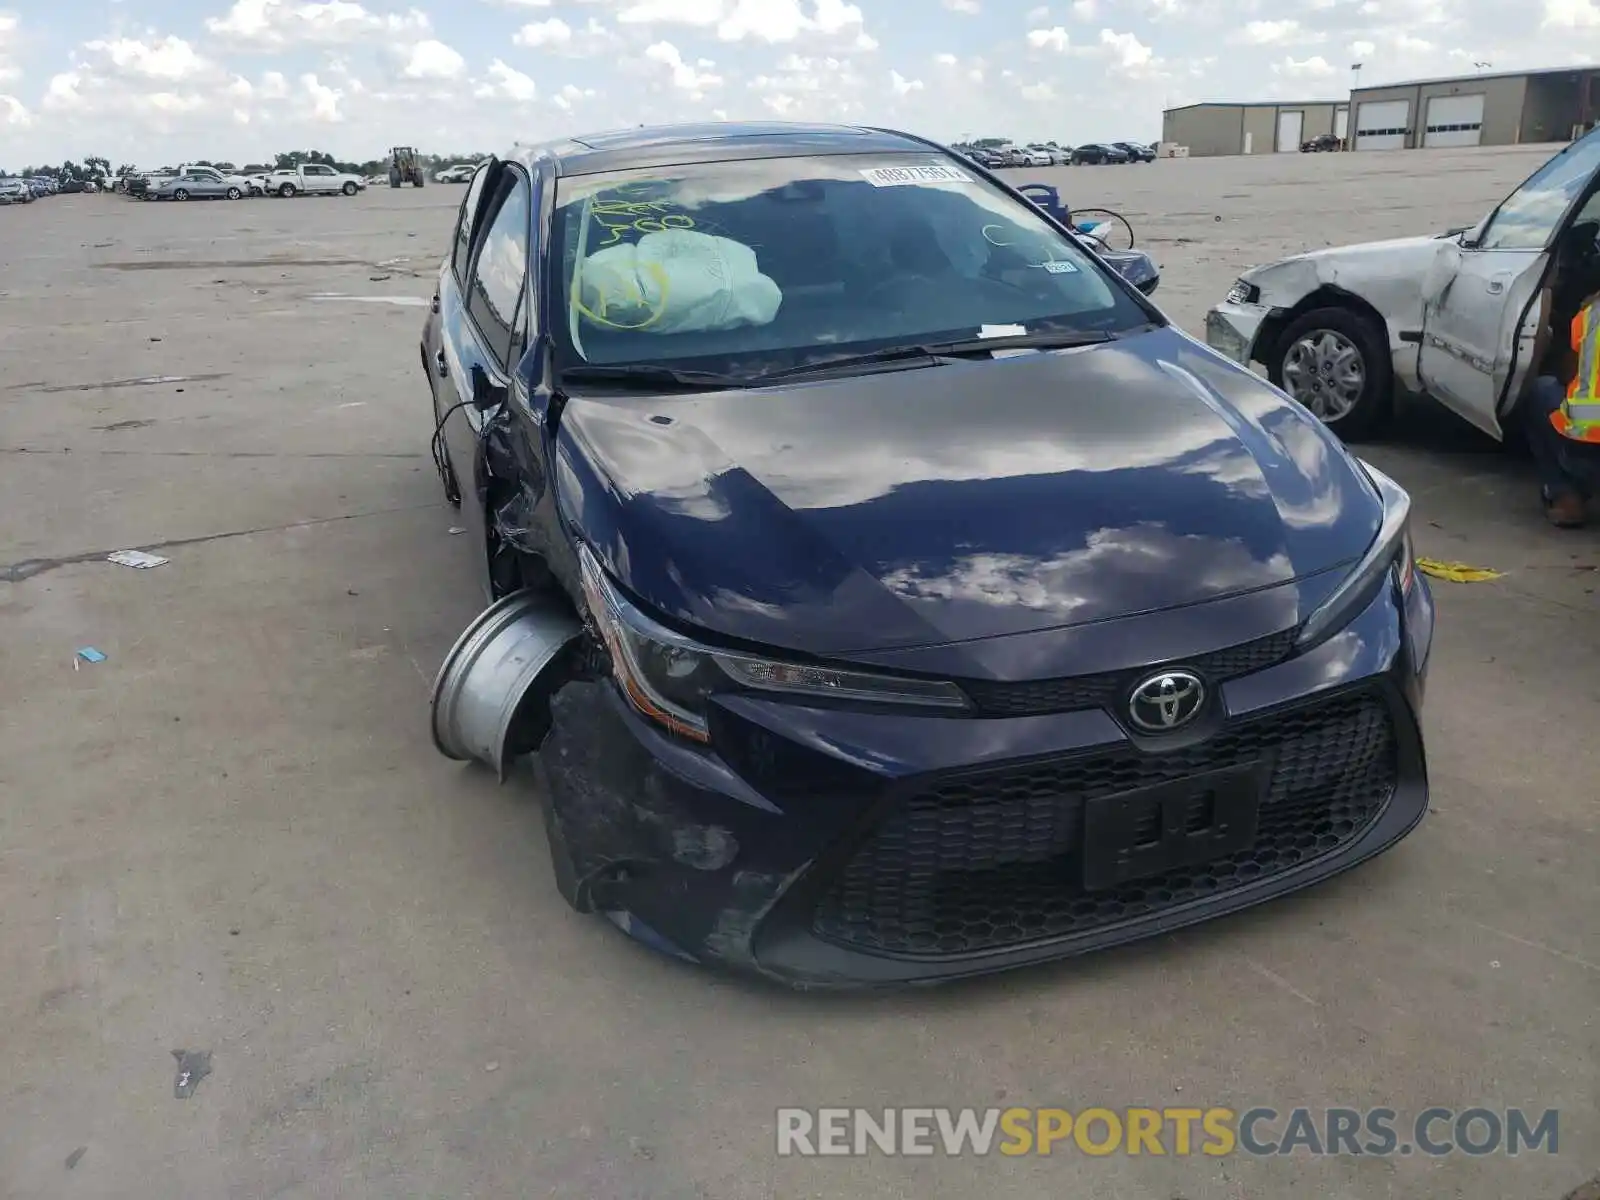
(1336,362)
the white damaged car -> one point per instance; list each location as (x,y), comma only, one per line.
(1463,316)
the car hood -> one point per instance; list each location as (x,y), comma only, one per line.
(937,505)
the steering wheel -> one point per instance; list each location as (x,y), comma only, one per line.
(1119,235)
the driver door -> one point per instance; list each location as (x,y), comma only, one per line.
(1486,315)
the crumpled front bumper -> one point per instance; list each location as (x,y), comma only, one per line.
(1234,329)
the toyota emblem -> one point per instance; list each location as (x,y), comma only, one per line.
(1168,701)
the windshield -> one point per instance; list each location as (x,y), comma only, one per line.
(756,266)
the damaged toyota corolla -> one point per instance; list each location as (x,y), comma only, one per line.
(883,589)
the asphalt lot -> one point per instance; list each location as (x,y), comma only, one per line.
(234,834)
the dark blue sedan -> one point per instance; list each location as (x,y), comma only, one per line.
(882,589)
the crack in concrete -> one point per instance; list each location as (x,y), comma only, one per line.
(28,568)
(67,450)
(141,381)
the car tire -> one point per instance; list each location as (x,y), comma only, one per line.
(234,193)
(180,193)
(286,190)
(349,189)
(1312,361)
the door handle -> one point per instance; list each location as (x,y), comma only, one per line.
(440,363)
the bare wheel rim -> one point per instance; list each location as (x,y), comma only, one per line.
(1326,372)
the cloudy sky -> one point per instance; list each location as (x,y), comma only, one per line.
(159,80)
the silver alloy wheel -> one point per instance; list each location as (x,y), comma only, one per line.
(1325,371)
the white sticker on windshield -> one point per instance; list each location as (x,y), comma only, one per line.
(1060,268)
(924,173)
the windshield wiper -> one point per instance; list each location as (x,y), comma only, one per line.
(647,375)
(934,354)
(1044,339)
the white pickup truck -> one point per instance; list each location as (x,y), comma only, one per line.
(312,179)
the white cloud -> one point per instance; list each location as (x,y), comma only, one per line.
(9,38)
(945,60)
(554,32)
(1271,33)
(557,36)
(970,7)
(1361,49)
(570,95)
(1128,53)
(1085,10)
(1054,39)
(1571,14)
(506,83)
(903,86)
(685,76)
(432,59)
(171,59)
(1315,67)
(274,24)
(324,100)
(702,13)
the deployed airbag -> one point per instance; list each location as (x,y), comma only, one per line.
(676,281)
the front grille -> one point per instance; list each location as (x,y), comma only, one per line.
(1038,696)
(991,860)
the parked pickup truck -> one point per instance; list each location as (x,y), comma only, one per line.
(313,179)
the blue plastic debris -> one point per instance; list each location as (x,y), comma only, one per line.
(90,655)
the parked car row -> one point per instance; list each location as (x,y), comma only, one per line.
(27,190)
(1091,154)
(194,182)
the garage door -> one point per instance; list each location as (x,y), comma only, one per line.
(1341,124)
(1289,126)
(1381,124)
(1454,121)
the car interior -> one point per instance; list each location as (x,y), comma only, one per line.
(854,269)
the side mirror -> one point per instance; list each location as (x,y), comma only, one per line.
(486,394)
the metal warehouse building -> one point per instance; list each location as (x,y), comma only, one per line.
(1212,129)
(1470,110)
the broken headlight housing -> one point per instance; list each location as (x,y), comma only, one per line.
(668,677)
(1388,558)
(1244,293)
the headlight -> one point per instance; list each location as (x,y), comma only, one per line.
(1388,560)
(1244,293)
(669,677)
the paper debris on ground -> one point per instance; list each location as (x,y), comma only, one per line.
(1456,572)
(89,655)
(138,559)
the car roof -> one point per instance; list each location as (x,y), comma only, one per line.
(666,145)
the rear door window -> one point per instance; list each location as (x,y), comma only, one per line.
(500,267)
(469,207)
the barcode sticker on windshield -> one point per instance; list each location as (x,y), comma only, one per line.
(1060,268)
(925,173)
